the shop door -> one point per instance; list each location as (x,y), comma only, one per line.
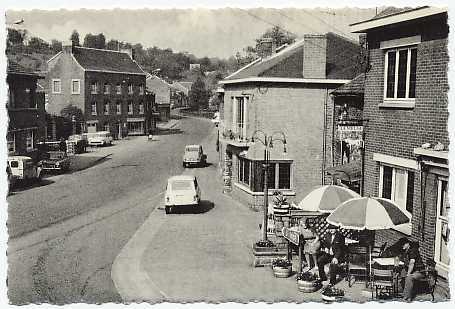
(442,256)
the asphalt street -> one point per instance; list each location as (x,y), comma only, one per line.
(66,233)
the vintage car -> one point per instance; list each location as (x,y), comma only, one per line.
(23,168)
(181,190)
(194,155)
(101,138)
(56,161)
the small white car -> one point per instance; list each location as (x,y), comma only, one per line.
(23,168)
(101,138)
(183,191)
(194,155)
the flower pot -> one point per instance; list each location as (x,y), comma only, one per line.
(308,286)
(282,272)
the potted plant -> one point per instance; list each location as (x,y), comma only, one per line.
(282,268)
(264,245)
(308,282)
(331,294)
(280,203)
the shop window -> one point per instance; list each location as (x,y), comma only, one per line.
(251,173)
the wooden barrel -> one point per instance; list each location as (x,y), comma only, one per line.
(282,272)
(308,286)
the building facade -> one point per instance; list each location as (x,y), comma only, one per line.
(285,95)
(25,106)
(406,139)
(163,93)
(107,86)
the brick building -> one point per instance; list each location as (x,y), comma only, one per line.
(25,106)
(163,93)
(288,92)
(406,138)
(107,86)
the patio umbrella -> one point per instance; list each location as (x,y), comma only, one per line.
(326,198)
(365,213)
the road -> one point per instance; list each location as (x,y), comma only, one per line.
(65,234)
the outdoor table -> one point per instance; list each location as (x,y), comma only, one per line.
(349,241)
(389,261)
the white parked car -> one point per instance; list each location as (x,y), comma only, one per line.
(101,138)
(182,191)
(194,155)
(23,168)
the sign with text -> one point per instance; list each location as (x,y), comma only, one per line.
(291,235)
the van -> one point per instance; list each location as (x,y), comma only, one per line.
(101,138)
(23,168)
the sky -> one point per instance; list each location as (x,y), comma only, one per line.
(202,32)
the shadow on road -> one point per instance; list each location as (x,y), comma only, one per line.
(83,162)
(168,132)
(207,164)
(204,206)
(26,185)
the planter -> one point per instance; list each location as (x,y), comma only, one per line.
(264,256)
(282,272)
(257,248)
(308,286)
(332,294)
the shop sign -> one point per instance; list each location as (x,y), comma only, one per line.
(291,235)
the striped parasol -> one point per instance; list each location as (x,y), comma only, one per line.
(326,198)
(368,213)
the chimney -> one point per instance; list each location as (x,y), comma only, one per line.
(67,47)
(129,51)
(314,56)
(266,47)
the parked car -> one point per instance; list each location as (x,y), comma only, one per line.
(23,168)
(216,119)
(194,155)
(11,178)
(101,138)
(56,161)
(80,142)
(182,190)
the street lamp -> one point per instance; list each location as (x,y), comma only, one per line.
(267,141)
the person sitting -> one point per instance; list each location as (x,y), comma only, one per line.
(413,270)
(311,244)
(332,251)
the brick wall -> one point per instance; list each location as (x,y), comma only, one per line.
(314,56)
(397,132)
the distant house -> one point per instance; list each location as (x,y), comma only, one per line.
(107,86)
(195,66)
(25,106)
(163,92)
(285,95)
(406,139)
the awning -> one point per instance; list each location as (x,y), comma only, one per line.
(256,153)
(351,171)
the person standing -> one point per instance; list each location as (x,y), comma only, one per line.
(414,268)
(311,244)
(333,251)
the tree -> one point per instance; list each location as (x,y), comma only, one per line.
(75,38)
(279,36)
(70,110)
(16,37)
(198,96)
(38,45)
(95,41)
(56,45)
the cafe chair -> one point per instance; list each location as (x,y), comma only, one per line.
(427,284)
(384,282)
(378,251)
(357,264)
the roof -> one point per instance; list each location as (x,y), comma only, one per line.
(354,87)
(15,68)
(92,59)
(181,177)
(150,76)
(288,63)
(393,15)
(187,85)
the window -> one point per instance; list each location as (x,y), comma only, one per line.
(251,174)
(141,89)
(119,89)
(29,143)
(11,142)
(130,108)
(106,127)
(141,108)
(107,88)
(119,108)
(75,86)
(94,88)
(239,115)
(130,88)
(94,109)
(106,108)
(56,86)
(400,73)
(397,184)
